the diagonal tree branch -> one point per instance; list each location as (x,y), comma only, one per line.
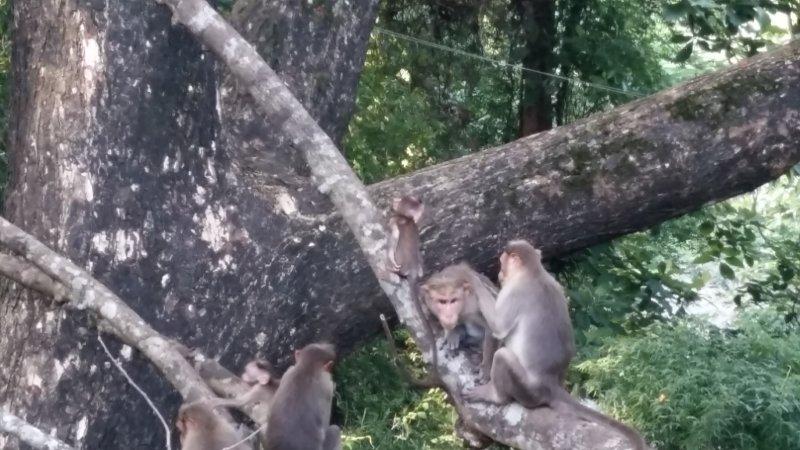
(42,269)
(29,434)
(512,424)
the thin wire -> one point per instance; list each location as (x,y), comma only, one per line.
(140,390)
(246,438)
(501,63)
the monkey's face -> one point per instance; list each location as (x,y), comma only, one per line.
(253,374)
(446,305)
(408,207)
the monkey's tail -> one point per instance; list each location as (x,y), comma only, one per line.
(565,403)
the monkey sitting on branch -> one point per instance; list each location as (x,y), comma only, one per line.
(531,319)
(299,418)
(452,296)
(203,429)
(405,260)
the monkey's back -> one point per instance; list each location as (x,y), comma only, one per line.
(296,421)
(544,341)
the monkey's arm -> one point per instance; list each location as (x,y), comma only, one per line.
(394,239)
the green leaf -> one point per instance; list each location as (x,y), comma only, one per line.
(734,261)
(679,39)
(684,53)
(706,227)
(705,257)
(726,271)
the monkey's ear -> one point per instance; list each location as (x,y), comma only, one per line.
(418,212)
(466,285)
(296,355)
(328,366)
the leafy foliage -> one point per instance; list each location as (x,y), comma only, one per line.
(732,26)
(694,386)
(380,411)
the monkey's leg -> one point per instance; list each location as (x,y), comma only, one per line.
(489,348)
(489,392)
(333,438)
(513,381)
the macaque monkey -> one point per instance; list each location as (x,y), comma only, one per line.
(452,296)
(405,256)
(531,319)
(405,259)
(258,373)
(299,418)
(202,429)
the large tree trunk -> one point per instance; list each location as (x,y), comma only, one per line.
(121,161)
(132,174)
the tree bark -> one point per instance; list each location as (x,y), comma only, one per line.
(134,176)
(120,160)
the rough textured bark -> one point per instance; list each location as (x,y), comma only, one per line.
(123,177)
(118,162)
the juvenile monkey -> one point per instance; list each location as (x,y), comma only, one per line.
(299,418)
(405,256)
(531,319)
(405,259)
(202,429)
(258,374)
(452,296)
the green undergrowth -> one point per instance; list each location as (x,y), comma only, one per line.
(691,385)
(380,411)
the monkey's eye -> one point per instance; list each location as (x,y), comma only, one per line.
(442,301)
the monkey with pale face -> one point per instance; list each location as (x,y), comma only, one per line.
(452,296)
(202,429)
(531,319)
(299,417)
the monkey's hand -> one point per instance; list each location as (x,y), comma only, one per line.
(452,341)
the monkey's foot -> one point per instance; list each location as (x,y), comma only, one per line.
(483,393)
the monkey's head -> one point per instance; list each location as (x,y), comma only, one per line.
(320,355)
(517,256)
(194,416)
(408,206)
(445,297)
(258,371)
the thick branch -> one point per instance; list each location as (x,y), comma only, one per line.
(83,292)
(333,176)
(29,434)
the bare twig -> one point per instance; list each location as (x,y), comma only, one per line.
(422,383)
(31,276)
(118,365)
(511,424)
(29,434)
